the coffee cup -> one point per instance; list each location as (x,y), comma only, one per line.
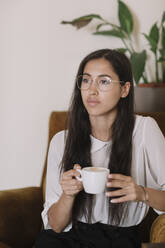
(94,179)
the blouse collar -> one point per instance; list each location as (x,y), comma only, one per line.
(97,144)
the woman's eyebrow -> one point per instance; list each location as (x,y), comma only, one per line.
(104,75)
(101,75)
(85,73)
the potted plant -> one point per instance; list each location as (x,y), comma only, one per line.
(156,46)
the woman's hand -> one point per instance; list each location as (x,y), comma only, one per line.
(70,185)
(129,190)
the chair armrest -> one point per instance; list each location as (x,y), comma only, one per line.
(2,245)
(157,234)
(145,225)
(20,216)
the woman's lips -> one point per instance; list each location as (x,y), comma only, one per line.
(92,102)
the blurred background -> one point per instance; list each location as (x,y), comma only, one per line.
(39,58)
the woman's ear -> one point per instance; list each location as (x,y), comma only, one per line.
(125,89)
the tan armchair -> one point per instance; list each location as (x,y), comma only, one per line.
(20,209)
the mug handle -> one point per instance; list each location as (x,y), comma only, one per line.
(79,178)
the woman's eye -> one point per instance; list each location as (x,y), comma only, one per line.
(85,80)
(104,82)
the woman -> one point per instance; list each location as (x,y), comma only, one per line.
(103,130)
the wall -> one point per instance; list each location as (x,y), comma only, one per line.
(38,61)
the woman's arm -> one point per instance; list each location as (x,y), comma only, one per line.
(61,190)
(155,198)
(59,214)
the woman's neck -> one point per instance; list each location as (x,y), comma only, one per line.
(102,127)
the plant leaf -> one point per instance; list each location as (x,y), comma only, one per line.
(138,61)
(153,37)
(82,21)
(162,53)
(163,75)
(163,38)
(122,50)
(154,33)
(151,42)
(161,59)
(112,32)
(163,17)
(125,18)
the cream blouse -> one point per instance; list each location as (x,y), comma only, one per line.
(148,169)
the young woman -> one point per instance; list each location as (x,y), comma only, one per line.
(103,130)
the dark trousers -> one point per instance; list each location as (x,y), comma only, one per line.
(90,236)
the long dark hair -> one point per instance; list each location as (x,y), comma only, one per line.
(78,142)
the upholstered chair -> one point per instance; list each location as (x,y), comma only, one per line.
(20,209)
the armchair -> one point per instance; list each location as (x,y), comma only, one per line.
(20,209)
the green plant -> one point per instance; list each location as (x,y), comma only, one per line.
(124,32)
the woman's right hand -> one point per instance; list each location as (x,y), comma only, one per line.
(70,185)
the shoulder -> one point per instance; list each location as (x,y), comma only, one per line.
(58,136)
(146,128)
(56,147)
(144,122)
(58,140)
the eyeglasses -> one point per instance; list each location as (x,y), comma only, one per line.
(103,83)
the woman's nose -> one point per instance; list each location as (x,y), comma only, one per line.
(93,87)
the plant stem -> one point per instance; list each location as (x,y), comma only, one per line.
(126,46)
(111,24)
(156,68)
(130,42)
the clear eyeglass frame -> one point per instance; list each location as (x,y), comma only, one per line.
(103,83)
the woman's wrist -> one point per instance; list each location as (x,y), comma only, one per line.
(145,197)
(68,197)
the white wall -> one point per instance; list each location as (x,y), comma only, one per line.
(38,61)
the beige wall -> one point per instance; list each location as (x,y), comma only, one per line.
(38,61)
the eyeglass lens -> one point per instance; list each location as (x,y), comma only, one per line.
(103,82)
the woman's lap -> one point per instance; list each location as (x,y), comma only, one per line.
(90,236)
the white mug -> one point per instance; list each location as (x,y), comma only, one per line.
(94,179)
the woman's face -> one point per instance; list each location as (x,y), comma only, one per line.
(97,102)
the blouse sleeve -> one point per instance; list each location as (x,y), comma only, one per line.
(154,149)
(53,187)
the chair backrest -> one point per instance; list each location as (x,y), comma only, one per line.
(57,122)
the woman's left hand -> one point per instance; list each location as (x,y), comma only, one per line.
(129,190)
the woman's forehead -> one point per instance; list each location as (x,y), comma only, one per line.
(101,66)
